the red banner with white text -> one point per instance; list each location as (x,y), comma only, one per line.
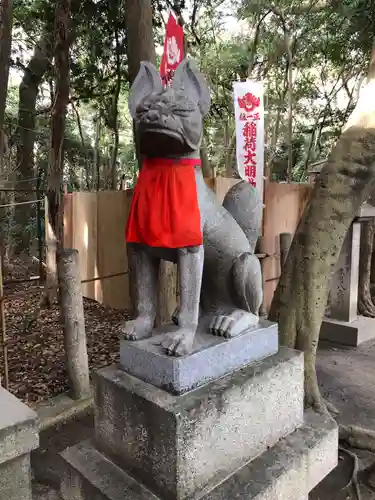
(173,49)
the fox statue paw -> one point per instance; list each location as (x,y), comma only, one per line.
(233,324)
(137,329)
(180,342)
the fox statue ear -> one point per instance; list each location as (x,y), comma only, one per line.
(188,79)
(147,82)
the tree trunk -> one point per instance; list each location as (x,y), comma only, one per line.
(230,158)
(365,304)
(207,170)
(115,125)
(6,13)
(285,240)
(72,316)
(140,38)
(167,297)
(140,42)
(140,47)
(96,166)
(5,46)
(344,184)
(289,42)
(372,276)
(56,158)
(28,92)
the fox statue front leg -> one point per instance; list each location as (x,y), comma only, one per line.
(190,267)
(146,272)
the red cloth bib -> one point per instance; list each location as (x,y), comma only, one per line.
(164,211)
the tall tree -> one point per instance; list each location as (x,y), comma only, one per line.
(140,38)
(33,75)
(345,182)
(62,41)
(5,46)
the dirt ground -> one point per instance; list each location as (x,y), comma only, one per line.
(347,380)
(346,377)
(36,355)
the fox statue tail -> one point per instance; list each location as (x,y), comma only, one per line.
(244,204)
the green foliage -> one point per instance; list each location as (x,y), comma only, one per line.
(330,47)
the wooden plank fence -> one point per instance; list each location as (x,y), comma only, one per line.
(94,224)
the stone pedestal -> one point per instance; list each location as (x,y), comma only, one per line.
(343,300)
(242,434)
(341,324)
(212,357)
(18,437)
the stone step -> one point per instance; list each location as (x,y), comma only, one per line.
(18,437)
(180,445)
(287,471)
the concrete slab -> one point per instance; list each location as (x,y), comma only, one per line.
(178,445)
(351,333)
(18,436)
(61,408)
(18,427)
(15,479)
(212,357)
(287,471)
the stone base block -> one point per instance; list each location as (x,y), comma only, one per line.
(212,357)
(287,471)
(351,333)
(15,479)
(179,445)
(18,437)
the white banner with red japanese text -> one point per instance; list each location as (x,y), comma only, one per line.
(249,116)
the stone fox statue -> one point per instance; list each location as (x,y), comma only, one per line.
(174,216)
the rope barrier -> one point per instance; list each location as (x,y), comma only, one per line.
(21,203)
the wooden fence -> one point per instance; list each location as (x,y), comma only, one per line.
(284,204)
(94,223)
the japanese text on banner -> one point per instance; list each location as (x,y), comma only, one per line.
(249,115)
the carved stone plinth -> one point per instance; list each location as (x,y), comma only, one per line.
(342,324)
(243,434)
(212,357)
(343,301)
(18,437)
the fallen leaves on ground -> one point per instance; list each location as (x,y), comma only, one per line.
(36,362)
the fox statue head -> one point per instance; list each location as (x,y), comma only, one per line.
(169,121)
